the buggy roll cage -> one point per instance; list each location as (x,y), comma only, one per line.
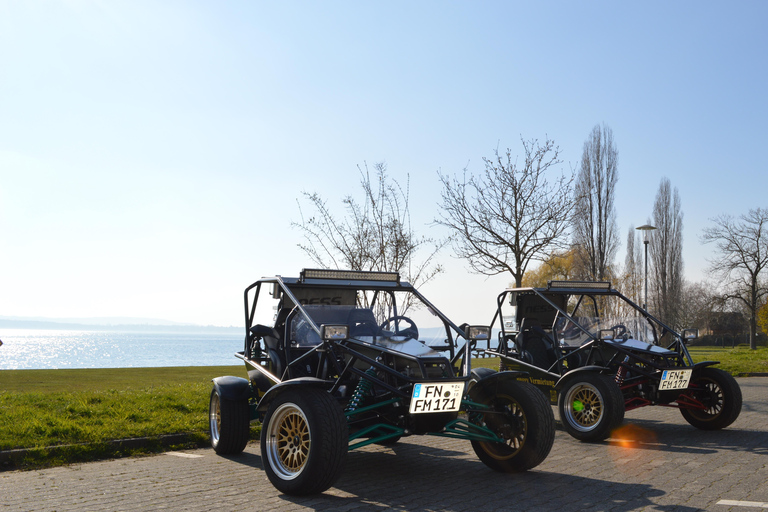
(589,289)
(377,282)
(338,359)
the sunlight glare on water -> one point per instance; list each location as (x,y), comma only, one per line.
(42,349)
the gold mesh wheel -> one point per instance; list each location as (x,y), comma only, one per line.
(288,441)
(513,428)
(519,416)
(585,406)
(304,440)
(591,406)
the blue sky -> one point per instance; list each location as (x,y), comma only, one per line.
(152,153)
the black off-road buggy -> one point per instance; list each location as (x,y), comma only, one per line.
(336,361)
(596,354)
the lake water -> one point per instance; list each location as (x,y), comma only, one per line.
(29,349)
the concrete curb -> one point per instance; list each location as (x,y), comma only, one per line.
(12,459)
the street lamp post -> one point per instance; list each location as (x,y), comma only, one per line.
(645,229)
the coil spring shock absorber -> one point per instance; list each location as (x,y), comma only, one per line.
(621,373)
(362,390)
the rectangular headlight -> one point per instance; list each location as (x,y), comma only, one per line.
(479,332)
(334,332)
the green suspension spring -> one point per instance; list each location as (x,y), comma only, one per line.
(362,390)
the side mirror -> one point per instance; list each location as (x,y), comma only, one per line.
(334,332)
(606,334)
(690,335)
(478,332)
(260,331)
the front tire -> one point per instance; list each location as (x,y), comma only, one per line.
(719,394)
(478,374)
(520,415)
(304,441)
(591,406)
(229,424)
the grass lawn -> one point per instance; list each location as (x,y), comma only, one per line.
(85,409)
(736,361)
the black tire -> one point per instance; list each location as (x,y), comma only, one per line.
(304,441)
(719,392)
(229,424)
(526,424)
(591,406)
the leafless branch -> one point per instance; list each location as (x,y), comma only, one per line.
(509,215)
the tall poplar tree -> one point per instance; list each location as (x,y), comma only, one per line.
(594,220)
(666,255)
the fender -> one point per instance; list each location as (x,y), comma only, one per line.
(275,390)
(486,382)
(232,388)
(704,364)
(590,368)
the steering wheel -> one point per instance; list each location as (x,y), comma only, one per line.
(411,331)
(620,331)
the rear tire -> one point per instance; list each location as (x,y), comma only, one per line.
(719,392)
(526,424)
(304,441)
(591,406)
(229,424)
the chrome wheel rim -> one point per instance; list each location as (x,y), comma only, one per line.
(288,441)
(584,407)
(215,417)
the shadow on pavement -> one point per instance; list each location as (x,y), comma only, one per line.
(417,478)
(655,435)
(246,459)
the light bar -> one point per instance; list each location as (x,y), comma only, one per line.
(350,275)
(588,285)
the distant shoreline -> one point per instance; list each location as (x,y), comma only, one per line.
(42,325)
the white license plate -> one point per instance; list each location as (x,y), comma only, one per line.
(675,379)
(436,397)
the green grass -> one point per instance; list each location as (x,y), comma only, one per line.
(736,361)
(486,362)
(99,379)
(81,411)
(85,409)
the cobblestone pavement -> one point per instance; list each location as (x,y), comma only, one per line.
(657,462)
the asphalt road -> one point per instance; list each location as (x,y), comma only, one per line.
(657,462)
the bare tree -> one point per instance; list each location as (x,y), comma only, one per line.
(511,214)
(375,234)
(594,220)
(697,305)
(742,257)
(666,254)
